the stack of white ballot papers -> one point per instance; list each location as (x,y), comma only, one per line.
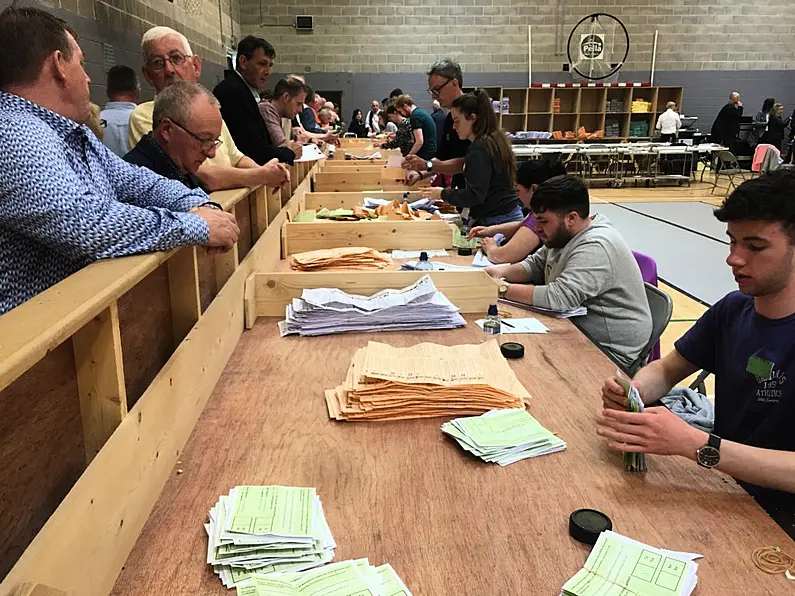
(265,529)
(503,436)
(621,566)
(347,578)
(323,311)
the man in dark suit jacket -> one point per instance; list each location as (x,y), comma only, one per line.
(239,94)
(727,122)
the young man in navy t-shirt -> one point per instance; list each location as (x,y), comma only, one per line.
(747,340)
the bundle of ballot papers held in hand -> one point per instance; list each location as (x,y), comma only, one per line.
(346,578)
(265,529)
(425,380)
(349,257)
(503,436)
(323,311)
(622,566)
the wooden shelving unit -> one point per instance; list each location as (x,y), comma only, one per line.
(594,108)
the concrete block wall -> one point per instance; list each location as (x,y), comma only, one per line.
(119,24)
(491,35)
(364,48)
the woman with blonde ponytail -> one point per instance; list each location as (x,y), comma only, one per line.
(489,165)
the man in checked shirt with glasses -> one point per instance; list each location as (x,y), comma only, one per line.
(65,199)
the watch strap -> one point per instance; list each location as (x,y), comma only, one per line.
(714,441)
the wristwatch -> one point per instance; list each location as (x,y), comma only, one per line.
(429,166)
(708,456)
(503,289)
(212,205)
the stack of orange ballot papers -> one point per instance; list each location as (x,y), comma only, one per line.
(426,380)
(349,257)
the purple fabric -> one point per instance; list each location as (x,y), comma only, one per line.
(648,271)
(530,221)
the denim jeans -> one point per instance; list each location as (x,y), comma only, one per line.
(495,220)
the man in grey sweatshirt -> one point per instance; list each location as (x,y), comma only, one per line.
(584,262)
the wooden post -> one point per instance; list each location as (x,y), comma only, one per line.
(183,284)
(293,179)
(225,265)
(258,203)
(273,198)
(100,378)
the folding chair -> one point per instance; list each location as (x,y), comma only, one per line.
(661,307)
(727,165)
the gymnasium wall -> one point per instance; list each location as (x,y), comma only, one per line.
(368,47)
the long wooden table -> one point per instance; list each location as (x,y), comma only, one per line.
(400,492)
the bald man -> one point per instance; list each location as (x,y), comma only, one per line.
(727,123)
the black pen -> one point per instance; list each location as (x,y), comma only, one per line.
(507,325)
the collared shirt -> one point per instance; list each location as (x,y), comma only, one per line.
(273,120)
(149,154)
(227,153)
(669,122)
(116,115)
(371,122)
(66,200)
(253,90)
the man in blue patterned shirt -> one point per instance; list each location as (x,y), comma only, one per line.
(65,199)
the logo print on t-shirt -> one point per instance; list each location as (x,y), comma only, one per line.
(770,390)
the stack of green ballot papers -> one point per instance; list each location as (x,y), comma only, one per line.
(503,436)
(266,529)
(347,578)
(621,566)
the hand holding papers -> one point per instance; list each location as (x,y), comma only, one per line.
(635,462)
(264,529)
(503,436)
(324,311)
(354,257)
(625,567)
(311,152)
(426,380)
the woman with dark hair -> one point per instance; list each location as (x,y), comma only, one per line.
(760,121)
(403,138)
(357,124)
(776,127)
(521,239)
(489,165)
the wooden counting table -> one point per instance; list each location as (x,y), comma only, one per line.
(233,406)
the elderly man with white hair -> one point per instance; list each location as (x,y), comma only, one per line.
(167,58)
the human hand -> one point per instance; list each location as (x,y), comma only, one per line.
(274,174)
(296,147)
(414,162)
(487,244)
(478,232)
(614,397)
(432,192)
(655,430)
(223,228)
(412,177)
(377,144)
(495,272)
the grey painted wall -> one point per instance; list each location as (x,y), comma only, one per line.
(705,92)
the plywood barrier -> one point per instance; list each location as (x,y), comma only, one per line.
(85,350)
(267,294)
(381,235)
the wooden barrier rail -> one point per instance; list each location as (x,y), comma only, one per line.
(137,343)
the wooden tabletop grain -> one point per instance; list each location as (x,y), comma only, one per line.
(400,492)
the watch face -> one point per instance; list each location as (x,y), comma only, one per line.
(708,456)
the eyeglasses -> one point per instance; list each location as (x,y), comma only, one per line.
(158,63)
(206,144)
(434,91)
